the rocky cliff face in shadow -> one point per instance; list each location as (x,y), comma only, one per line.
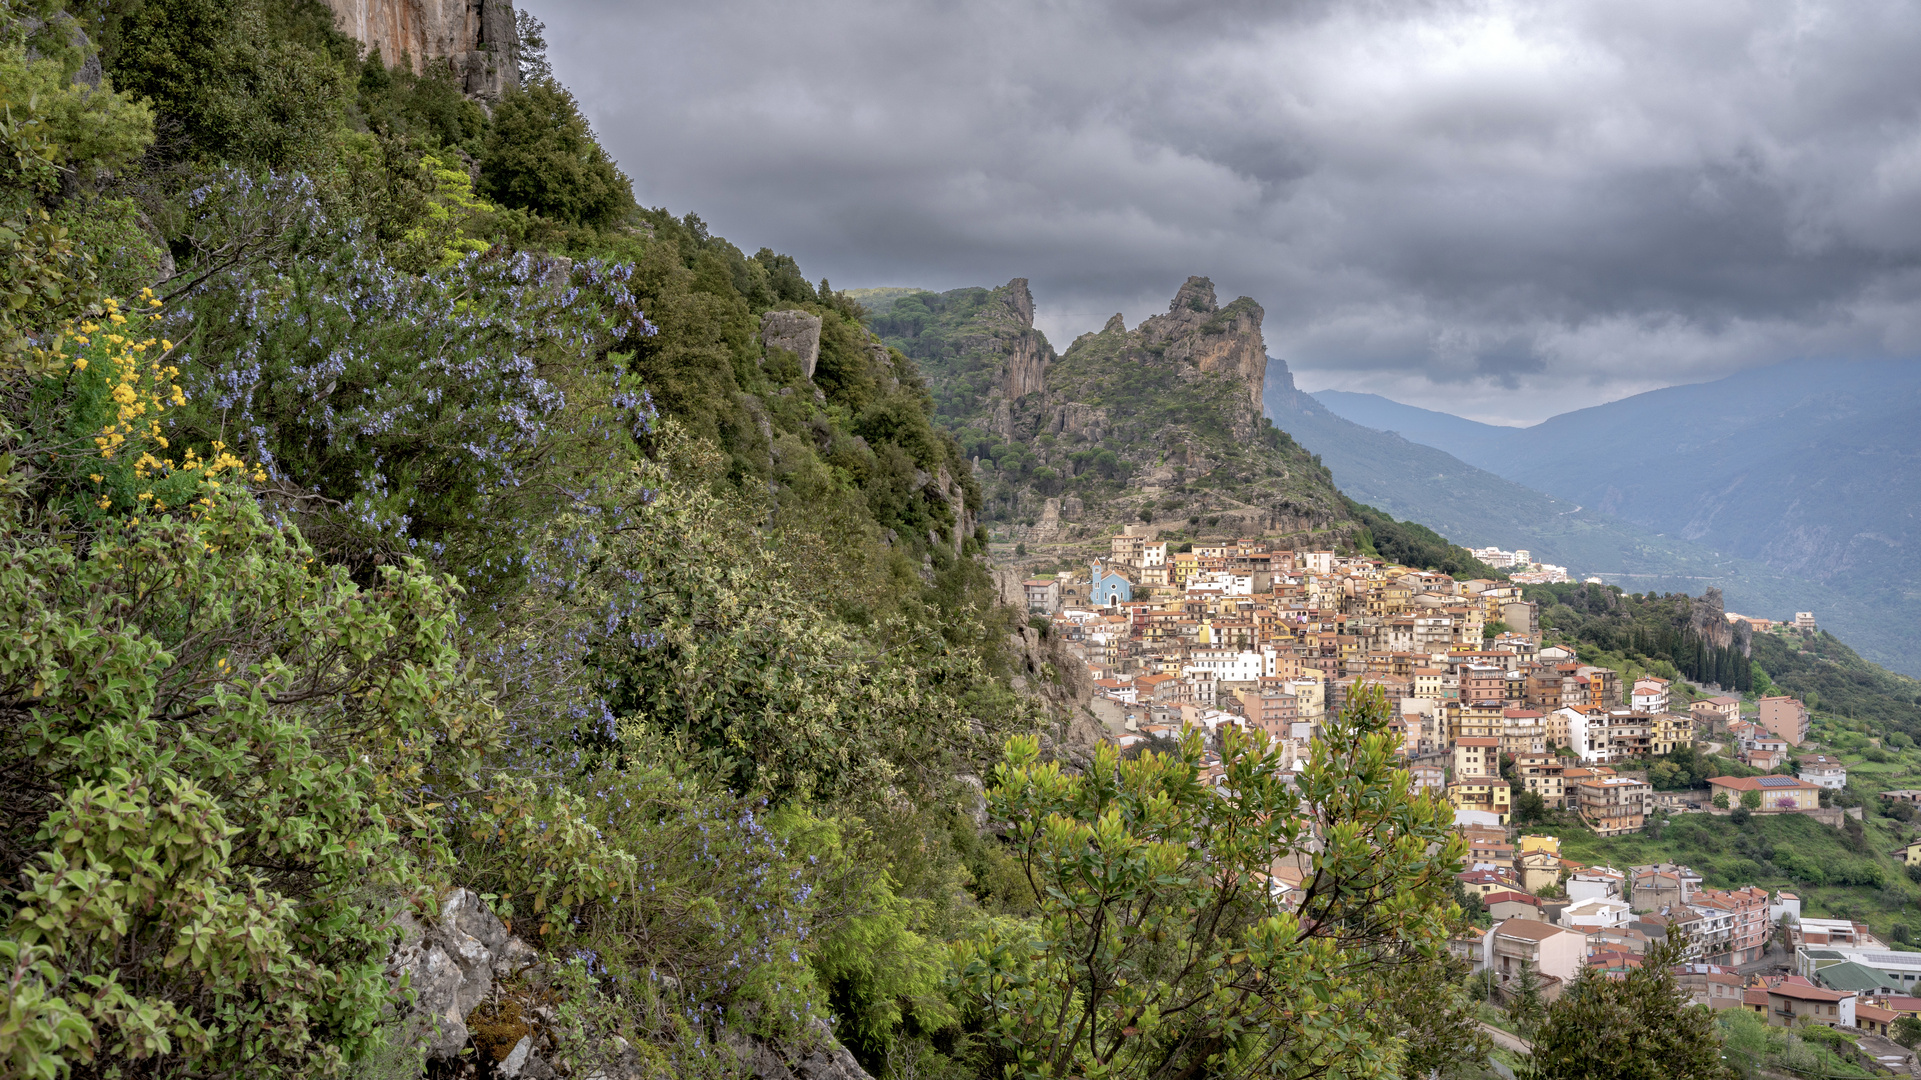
(476,38)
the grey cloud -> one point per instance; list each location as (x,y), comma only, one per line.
(1507,209)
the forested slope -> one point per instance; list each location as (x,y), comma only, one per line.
(389,504)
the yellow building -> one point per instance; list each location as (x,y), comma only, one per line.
(1540,859)
(1184,562)
(1486,796)
(1481,720)
(1672,731)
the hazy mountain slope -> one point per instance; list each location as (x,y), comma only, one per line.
(1469,440)
(1475,507)
(1469,505)
(1814,468)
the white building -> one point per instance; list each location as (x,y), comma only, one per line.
(1577,735)
(1589,916)
(1595,883)
(1650,695)
(1227,665)
(1826,771)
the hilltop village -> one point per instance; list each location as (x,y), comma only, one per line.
(1237,634)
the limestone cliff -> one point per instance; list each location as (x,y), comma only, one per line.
(476,39)
(978,349)
(1161,423)
(1214,339)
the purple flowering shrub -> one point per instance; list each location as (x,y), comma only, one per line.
(442,415)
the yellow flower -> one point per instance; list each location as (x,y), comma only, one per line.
(96,477)
(105,502)
(80,364)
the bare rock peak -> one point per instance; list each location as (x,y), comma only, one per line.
(1196,295)
(1115,325)
(1021,299)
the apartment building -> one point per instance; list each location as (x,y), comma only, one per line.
(1786,717)
(1612,805)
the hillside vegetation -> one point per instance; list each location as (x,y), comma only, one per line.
(389,504)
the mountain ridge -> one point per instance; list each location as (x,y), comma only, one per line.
(1805,473)
(1150,424)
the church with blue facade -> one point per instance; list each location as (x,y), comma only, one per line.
(1109,588)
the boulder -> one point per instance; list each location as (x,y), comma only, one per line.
(795,331)
(450,964)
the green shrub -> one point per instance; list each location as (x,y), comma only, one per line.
(236,743)
(540,156)
(233,89)
(1154,893)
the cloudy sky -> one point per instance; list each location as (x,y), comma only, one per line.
(1504,210)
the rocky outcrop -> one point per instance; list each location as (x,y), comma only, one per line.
(476,39)
(1074,418)
(1214,339)
(1027,351)
(451,964)
(1707,617)
(796,332)
(477,999)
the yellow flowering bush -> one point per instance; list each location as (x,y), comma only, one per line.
(106,400)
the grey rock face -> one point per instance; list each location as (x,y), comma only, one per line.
(516,1058)
(450,966)
(795,331)
(452,962)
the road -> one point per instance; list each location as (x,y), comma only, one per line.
(1505,1041)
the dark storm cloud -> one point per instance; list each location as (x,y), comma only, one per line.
(1505,209)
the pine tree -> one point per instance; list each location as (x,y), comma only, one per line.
(1642,1027)
(1525,1007)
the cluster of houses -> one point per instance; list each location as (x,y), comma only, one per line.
(1523,569)
(1604,919)
(1237,634)
(1240,634)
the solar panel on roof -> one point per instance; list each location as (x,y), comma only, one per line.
(1779,781)
(1889,959)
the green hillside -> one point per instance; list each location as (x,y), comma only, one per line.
(455,620)
(1838,873)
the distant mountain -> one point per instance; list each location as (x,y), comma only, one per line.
(1807,472)
(1161,422)
(1465,439)
(1475,507)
